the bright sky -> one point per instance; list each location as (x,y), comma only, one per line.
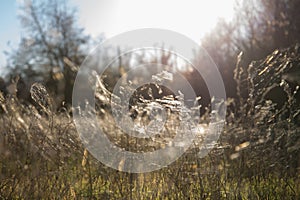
(192,18)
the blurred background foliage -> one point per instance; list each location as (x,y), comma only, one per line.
(54,45)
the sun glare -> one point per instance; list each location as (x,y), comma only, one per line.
(191,18)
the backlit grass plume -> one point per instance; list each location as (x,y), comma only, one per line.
(41,96)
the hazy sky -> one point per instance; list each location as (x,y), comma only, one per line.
(9,27)
(192,18)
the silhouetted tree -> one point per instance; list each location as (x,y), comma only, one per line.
(52,47)
(257,29)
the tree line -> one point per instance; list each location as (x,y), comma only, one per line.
(54,45)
